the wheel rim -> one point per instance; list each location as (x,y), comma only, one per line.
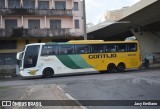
(112,69)
(121,68)
(48,73)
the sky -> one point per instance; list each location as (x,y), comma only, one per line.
(95,9)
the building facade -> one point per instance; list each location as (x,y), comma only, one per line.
(35,21)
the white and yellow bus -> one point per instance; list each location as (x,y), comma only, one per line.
(47,59)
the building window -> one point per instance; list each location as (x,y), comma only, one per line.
(29,4)
(10,23)
(13,3)
(77,24)
(8,44)
(43,5)
(60,4)
(75,6)
(34,24)
(55,24)
(2,3)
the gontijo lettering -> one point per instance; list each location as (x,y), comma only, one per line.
(98,56)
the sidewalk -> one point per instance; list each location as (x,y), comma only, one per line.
(35,92)
(154,65)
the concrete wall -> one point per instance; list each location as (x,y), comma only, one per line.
(7,70)
(78,15)
(149,43)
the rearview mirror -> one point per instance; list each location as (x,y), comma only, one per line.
(19,56)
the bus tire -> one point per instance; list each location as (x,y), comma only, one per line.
(111,68)
(121,67)
(48,73)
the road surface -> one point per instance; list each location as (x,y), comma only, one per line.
(130,85)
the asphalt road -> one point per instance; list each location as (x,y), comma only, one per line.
(130,85)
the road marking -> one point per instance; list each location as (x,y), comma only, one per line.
(60,89)
(71,98)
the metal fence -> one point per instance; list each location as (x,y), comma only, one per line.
(23,11)
(21,32)
(46,32)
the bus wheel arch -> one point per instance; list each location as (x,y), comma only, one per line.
(111,68)
(121,67)
(48,72)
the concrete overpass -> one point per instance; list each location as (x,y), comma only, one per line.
(141,20)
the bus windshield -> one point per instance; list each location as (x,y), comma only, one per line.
(31,56)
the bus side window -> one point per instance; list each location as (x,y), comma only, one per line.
(86,49)
(65,52)
(121,47)
(82,49)
(111,47)
(70,49)
(61,50)
(132,47)
(99,48)
(45,50)
(54,50)
(49,50)
(66,49)
(105,48)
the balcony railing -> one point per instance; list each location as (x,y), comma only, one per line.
(20,32)
(48,12)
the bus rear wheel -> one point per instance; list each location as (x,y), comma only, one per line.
(48,73)
(121,67)
(112,68)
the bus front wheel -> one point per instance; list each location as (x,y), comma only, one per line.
(112,68)
(48,72)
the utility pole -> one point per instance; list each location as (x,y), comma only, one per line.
(84,20)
